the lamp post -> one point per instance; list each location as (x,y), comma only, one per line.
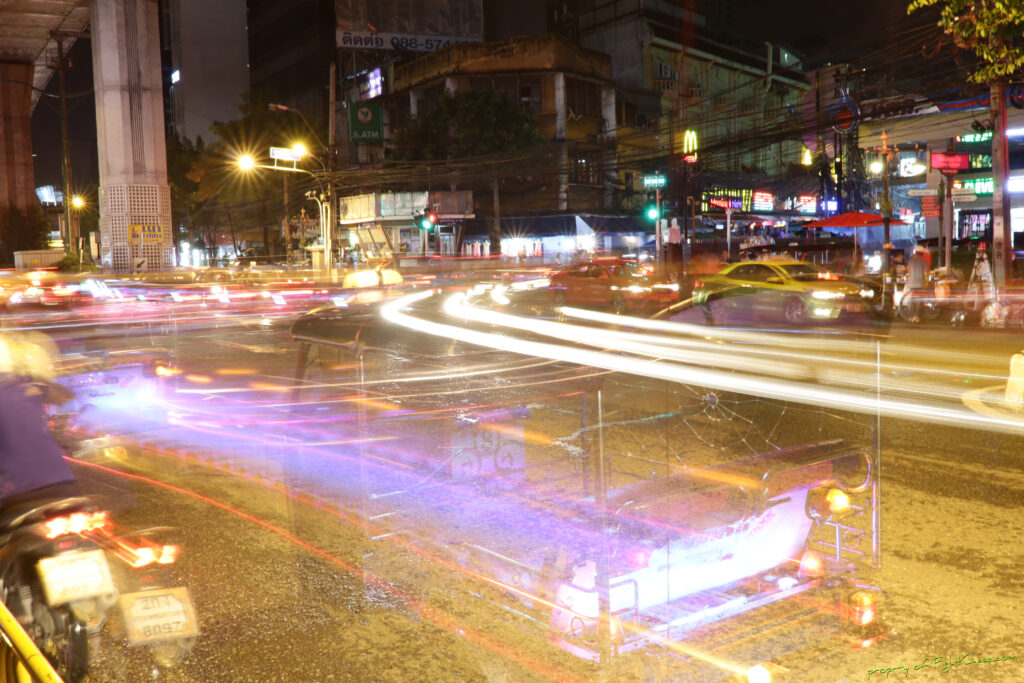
(328,200)
(77,203)
(284,154)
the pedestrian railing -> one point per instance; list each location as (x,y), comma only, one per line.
(20,659)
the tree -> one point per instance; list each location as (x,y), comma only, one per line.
(213,187)
(994,31)
(21,231)
(990,28)
(467,125)
(186,204)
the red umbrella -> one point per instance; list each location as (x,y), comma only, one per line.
(852,219)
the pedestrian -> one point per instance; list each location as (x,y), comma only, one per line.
(917,281)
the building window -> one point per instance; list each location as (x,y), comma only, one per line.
(529,93)
(583,98)
(584,170)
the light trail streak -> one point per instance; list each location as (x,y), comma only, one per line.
(756,386)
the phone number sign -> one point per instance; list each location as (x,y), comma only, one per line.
(371,40)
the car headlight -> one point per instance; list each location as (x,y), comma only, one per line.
(666,286)
(867,293)
(820,294)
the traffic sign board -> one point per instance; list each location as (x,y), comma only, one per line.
(930,213)
(927,192)
(964,197)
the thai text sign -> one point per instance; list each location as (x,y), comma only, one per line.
(947,161)
(146,233)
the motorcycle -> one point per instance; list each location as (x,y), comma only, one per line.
(54,579)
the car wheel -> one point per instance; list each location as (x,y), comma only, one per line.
(619,304)
(795,311)
(560,298)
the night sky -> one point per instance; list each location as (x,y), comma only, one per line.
(820,29)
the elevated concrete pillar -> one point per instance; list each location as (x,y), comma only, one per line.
(17,177)
(134,198)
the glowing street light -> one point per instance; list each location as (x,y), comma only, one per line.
(300,150)
(77,202)
(246,162)
(876,167)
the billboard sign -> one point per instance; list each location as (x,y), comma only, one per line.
(146,233)
(412,25)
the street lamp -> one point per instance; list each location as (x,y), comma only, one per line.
(326,230)
(246,162)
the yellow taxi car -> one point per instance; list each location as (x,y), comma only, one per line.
(794,291)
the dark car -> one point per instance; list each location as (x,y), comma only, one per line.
(794,291)
(619,283)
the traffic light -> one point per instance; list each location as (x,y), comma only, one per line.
(652,212)
(428,220)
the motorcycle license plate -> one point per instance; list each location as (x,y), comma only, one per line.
(75,576)
(162,614)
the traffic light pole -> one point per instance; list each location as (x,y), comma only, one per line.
(659,242)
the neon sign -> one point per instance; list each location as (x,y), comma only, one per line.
(690,146)
(764,201)
(975,137)
(976,185)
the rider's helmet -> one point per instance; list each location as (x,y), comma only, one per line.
(27,354)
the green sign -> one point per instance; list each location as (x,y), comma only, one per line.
(365,123)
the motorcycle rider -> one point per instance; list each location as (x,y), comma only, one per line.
(32,464)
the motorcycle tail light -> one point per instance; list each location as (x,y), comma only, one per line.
(75,523)
(861,608)
(147,555)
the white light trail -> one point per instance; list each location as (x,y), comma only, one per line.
(756,386)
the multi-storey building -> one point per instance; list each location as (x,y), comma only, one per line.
(683,93)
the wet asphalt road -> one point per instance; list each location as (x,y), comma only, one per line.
(291,584)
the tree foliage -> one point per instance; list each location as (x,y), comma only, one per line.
(465,124)
(21,231)
(992,29)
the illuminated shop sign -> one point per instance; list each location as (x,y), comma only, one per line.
(742,198)
(763,201)
(690,146)
(975,137)
(981,161)
(946,161)
(725,202)
(910,166)
(975,185)
(371,84)
(807,203)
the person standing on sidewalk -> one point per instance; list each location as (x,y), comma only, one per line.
(917,281)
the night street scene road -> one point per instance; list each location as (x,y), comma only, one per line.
(641,341)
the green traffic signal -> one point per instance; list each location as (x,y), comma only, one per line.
(652,213)
(427,221)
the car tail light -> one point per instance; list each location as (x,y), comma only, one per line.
(838,501)
(861,608)
(811,565)
(697,284)
(75,523)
